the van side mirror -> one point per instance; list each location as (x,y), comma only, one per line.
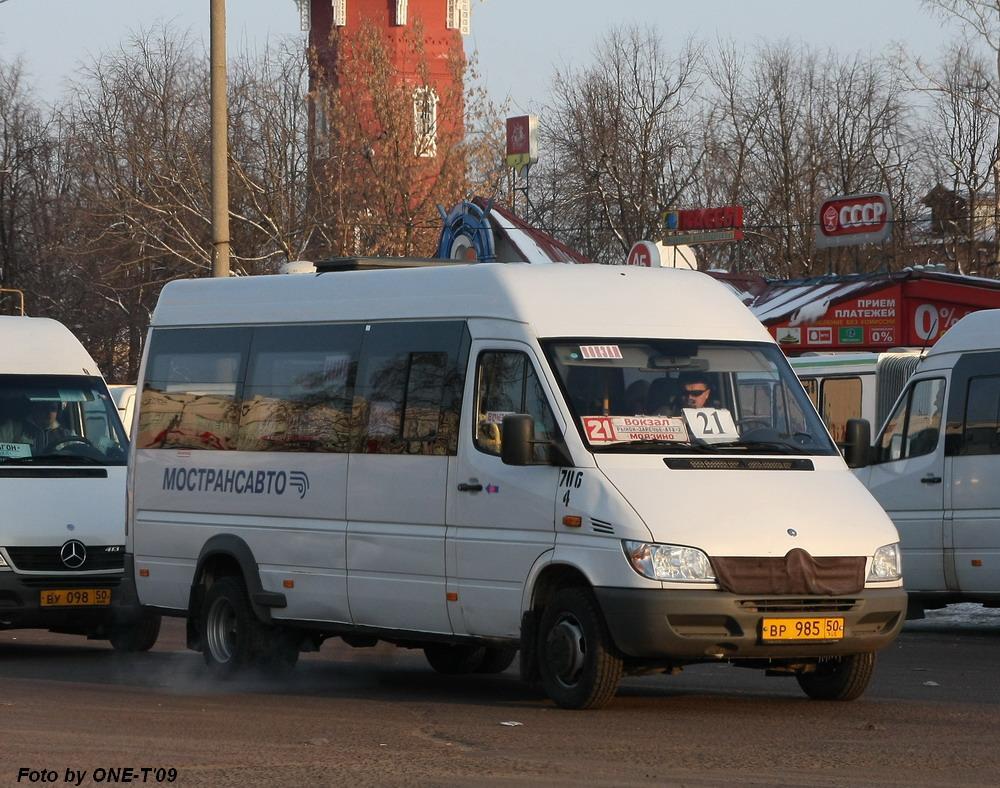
(518,439)
(858,443)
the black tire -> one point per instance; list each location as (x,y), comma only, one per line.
(579,664)
(229,629)
(278,651)
(140,636)
(839,678)
(496,660)
(455,660)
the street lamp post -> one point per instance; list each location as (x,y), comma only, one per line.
(220,149)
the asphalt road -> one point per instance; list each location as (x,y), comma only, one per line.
(381,716)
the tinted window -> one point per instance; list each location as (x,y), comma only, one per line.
(914,426)
(982,417)
(299,390)
(192,395)
(506,383)
(409,390)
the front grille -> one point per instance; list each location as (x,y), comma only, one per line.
(47,559)
(100,581)
(798,605)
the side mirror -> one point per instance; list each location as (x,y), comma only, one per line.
(857,443)
(518,439)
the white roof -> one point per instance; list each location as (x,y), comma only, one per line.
(976,331)
(40,346)
(557,300)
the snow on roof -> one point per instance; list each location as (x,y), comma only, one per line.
(534,245)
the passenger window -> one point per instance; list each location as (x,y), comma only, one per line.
(300,389)
(506,383)
(191,397)
(841,400)
(914,427)
(409,392)
(982,417)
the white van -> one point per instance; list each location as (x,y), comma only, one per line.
(845,386)
(936,468)
(477,459)
(123,396)
(63,565)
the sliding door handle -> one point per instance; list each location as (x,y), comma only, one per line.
(470,487)
(932,479)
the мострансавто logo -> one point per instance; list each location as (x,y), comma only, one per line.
(235,481)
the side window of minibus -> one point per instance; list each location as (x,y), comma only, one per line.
(409,391)
(913,429)
(841,400)
(299,390)
(981,425)
(192,394)
(506,383)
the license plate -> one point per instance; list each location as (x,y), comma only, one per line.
(822,628)
(76,597)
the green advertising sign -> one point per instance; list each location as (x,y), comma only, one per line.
(851,335)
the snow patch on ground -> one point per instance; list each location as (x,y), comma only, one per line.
(963,616)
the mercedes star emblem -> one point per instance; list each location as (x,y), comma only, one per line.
(73,554)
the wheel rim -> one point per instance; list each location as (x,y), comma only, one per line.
(220,630)
(566,650)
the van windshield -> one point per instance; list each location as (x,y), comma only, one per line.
(58,420)
(664,395)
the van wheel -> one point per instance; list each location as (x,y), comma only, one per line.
(839,678)
(579,664)
(454,660)
(228,627)
(496,660)
(140,636)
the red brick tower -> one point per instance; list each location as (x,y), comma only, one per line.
(443,23)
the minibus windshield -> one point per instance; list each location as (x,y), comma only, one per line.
(58,420)
(666,395)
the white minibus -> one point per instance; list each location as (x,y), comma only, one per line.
(845,386)
(936,468)
(611,470)
(63,565)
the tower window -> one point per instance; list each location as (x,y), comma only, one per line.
(339,12)
(459,14)
(425,101)
(400,12)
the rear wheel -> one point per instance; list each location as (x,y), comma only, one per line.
(140,636)
(229,629)
(839,678)
(579,664)
(455,660)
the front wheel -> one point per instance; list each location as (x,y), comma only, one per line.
(839,678)
(140,636)
(579,664)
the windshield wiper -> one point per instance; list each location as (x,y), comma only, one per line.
(779,447)
(664,447)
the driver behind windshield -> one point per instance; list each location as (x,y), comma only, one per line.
(45,419)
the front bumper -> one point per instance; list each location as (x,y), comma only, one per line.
(20,602)
(701,625)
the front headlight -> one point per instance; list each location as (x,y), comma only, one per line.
(669,562)
(886,564)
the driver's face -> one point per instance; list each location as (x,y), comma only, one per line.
(696,395)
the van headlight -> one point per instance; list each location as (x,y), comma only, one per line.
(669,562)
(886,564)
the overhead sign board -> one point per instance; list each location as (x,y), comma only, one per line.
(703,225)
(854,219)
(522,141)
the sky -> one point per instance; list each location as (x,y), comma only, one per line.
(519,42)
